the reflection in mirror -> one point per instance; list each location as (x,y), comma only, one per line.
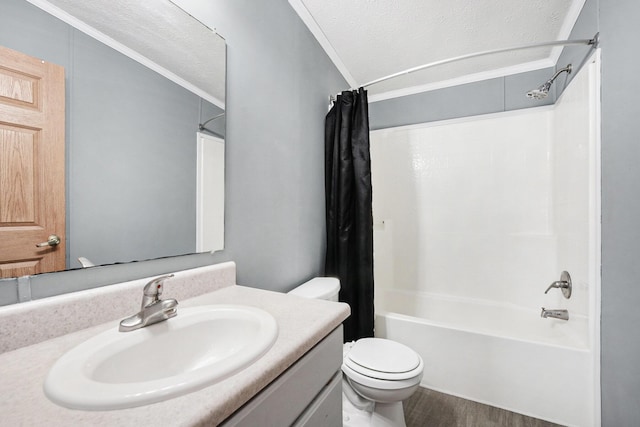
(140,79)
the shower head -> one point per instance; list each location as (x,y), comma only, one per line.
(543,90)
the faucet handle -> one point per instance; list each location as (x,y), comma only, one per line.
(557,284)
(564,284)
(153,289)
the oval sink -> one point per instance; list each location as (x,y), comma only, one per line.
(198,347)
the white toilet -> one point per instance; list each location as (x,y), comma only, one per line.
(378,373)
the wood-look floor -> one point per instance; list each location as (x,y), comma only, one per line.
(428,408)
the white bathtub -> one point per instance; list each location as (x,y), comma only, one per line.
(496,354)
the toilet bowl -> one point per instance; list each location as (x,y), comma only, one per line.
(383,372)
(378,374)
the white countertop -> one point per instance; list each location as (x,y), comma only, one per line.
(302,324)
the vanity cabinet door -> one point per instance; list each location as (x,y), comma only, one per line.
(304,394)
(326,409)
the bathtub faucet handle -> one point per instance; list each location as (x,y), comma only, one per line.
(564,284)
(557,284)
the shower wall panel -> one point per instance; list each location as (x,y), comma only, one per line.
(465,207)
(573,196)
(474,218)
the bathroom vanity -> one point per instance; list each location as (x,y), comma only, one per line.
(296,382)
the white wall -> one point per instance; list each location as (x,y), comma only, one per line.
(488,207)
(572,158)
(470,203)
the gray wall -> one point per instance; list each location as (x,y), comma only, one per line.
(130,147)
(278,83)
(620,32)
(487,96)
(585,28)
(483,97)
(617,21)
(130,143)
(131,159)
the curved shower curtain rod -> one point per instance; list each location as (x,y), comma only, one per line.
(202,127)
(592,42)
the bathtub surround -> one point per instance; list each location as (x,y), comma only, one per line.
(474,219)
(349,216)
(27,353)
(617,24)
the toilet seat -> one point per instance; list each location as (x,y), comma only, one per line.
(382,363)
(380,384)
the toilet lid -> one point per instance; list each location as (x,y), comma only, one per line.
(383,359)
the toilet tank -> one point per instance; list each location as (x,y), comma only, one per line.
(326,288)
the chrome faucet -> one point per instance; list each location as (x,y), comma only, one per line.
(153,309)
(556,314)
(564,284)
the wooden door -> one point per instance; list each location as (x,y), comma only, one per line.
(32,190)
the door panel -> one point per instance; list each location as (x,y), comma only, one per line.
(17,154)
(32,193)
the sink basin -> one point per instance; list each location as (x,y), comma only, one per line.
(199,347)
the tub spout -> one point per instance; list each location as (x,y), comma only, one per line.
(556,314)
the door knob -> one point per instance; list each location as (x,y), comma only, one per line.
(53,241)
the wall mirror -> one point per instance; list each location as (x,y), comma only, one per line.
(140,78)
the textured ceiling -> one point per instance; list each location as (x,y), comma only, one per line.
(369,39)
(161,32)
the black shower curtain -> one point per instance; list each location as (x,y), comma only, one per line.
(349,215)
